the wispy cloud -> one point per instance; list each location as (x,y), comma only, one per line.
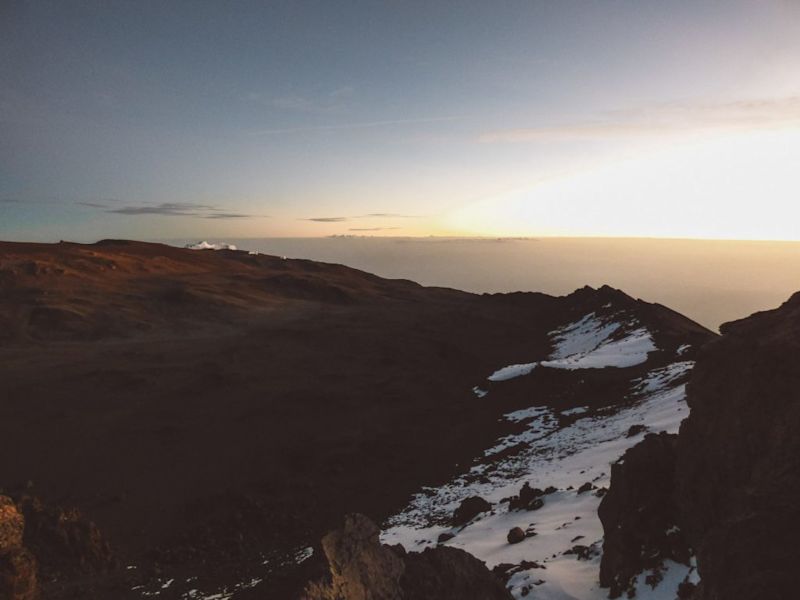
(326,219)
(366,216)
(93,204)
(357,125)
(169,209)
(663,119)
(322,102)
(388,216)
(372,228)
(226,215)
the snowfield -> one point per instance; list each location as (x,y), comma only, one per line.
(565,457)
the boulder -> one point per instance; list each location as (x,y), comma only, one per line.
(359,567)
(516,535)
(469,509)
(528,499)
(353,565)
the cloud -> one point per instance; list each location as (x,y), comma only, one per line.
(171,209)
(295,103)
(366,216)
(323,102)
(372,228)
(9,201)
(93,204)
(388,216)
(229,216)
(357,125)
(665,119)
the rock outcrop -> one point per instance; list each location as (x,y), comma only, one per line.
(738,459)
(353,565)
(729,483)
(44,548)
(64,542)
(639,514)
(17,564)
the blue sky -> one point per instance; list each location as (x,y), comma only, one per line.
(237,119)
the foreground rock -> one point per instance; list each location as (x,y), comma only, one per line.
(65,543)
(639,514)
(353,565)
(738,459)
(729,482)
(17,564)
(44,549)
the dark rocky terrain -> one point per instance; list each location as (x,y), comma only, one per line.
(215,412)
(728,485)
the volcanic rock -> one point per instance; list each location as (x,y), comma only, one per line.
(358,567)
(639,515)
(469,509)
(528,499)
(738,459)
(17,564)
(516,535)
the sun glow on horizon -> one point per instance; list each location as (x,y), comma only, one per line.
(742,186)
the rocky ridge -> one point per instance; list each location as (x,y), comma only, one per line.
(725,488)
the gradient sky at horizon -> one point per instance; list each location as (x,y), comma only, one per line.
(241,119)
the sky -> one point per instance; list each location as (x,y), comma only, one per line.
(157,120)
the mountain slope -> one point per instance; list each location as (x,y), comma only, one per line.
(215,412)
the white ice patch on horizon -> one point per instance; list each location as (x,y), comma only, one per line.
(204,245)
(549,455)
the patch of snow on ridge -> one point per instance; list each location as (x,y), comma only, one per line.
(581,337)
(547,454)
(590,343)
(512,371)
(626,352)
(210,246)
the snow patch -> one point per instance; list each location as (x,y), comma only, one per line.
(590,343)
(587,344)
(512,371)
